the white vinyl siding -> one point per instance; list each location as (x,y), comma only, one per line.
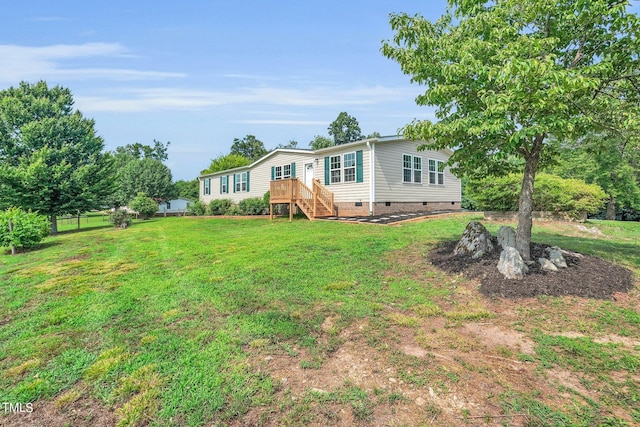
(348,158)
(260,174)
(391,185)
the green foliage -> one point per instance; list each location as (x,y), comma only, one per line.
(139,151)
(345,129)
(320,141)
(188,189)
(197,208)
(552,193)
(226,162)
(149,176)
(250,147)
(27,228)
(504,76)
(254,206)
(144,205)
(51,159)
(120,218)
(219,206)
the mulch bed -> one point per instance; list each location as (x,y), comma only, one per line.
(586,276)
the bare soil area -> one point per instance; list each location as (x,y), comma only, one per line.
(586,276)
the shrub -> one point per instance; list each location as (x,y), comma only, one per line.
(144,205)
(254,206)
(233,210)
(27,228)
(120,218)
(197,208)
(219,206)
(551,193)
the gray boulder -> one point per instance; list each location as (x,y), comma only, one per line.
(475,241)
(511,264)
(506,237)
(555,256)
(547,265)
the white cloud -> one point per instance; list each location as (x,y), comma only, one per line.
(153,99)
(48,62)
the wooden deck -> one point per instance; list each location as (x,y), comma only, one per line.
(314,202)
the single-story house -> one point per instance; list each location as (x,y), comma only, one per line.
(174,206)
(373,176)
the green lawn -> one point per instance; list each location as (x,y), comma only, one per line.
(162,322)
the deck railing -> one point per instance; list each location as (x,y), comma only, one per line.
(295,192)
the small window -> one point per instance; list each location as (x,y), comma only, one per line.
(224,184)
(350,167)
(411,169)
(406,168)
(278,172)
(207,186)
(417,169)
(286,171)
(436,172)
(335,169)
(168,205)
(241,182)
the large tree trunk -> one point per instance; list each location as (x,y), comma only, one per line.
(611,209)
(525,203)
(54,225)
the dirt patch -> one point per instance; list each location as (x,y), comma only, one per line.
(83,412)
(586,276)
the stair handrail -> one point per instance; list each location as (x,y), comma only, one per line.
(323,195)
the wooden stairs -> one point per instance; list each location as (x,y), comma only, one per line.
(316,202)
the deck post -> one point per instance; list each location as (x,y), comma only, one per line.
(271,211)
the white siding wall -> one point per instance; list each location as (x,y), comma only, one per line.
(346,191)
(390,186)
(259,176)
(177,205)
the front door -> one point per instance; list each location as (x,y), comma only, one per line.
(308,175)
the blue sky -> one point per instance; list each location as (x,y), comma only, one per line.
(201,73)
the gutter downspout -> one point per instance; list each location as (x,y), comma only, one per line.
(372,175)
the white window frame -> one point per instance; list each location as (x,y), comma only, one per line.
(286,171)
(278,173)
(411,171)
(224,184)
(241,182)
(335,178)
(436,176)
(207,187)
(349,169)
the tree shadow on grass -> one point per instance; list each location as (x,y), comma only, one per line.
(39,247)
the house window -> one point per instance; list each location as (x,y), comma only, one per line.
(278,172)
(168,205)
(241,182)
(436,172)
(350,167)
(207,186)
(411,169)
(286,171)
(335,169)
(224,184)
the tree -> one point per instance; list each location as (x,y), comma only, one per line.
(504,76)
(291,144)
(21,229)
(249,147)
(51,159)
(344,129)
(607,160)
(144,205)
(188,189)
(373,135)
(226,161)
(125,155)
(320,141)
(149,176)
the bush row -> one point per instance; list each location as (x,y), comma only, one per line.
(251,206)
(551,193)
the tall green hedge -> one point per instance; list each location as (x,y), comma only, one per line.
(551,193)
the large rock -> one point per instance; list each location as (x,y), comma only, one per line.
(555,256)
(547,265)
(475,241)
(511,264)
(506,237)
